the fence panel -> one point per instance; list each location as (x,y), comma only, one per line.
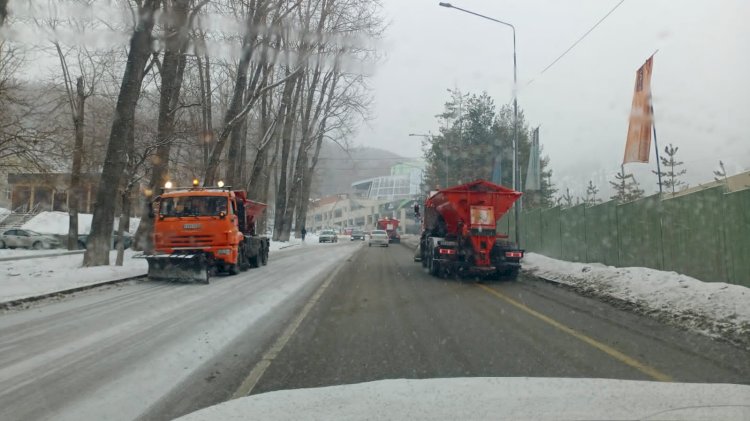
(531,233)
(601,234)
(639,229)
(551,240)
(573,233)
(737,236)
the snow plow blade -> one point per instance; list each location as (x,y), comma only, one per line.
(178,267)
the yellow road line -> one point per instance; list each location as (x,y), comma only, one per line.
(643,368)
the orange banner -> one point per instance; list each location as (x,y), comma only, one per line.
(638,145)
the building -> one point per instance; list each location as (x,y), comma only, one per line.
(404,182)
(37,192)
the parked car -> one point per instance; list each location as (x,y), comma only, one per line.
(357,235)
(379,238)
(127,240)
(17,237)
(328,236)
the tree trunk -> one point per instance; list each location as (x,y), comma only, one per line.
(97,252)
(122,226)
(172,70)
(286,144)
(75,174)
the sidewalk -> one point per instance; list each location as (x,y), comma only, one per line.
(22,279)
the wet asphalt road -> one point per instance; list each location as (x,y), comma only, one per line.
(384,317)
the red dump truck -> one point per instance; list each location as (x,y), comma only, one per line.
(202,230)
(459,233)
(390,225)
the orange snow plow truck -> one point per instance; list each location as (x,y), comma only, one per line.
(459,232)
(199,231)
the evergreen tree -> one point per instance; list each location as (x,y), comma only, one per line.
(626,187)
(670,172)
(591,192)
(567,199)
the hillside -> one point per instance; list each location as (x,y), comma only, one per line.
(338,169)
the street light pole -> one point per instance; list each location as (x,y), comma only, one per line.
(516,173)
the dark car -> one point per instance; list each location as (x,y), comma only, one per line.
(127,240)
(357,235)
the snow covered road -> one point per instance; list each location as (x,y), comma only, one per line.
(122,352)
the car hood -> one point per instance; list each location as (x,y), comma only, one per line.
(493,398)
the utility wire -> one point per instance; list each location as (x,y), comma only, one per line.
(578,40)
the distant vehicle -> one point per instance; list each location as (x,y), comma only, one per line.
(357,235)
(24,238)
(328,236)
(379,238)
(83,239)
(390,225)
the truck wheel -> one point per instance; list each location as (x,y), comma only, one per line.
(434,267)
(512,274)
(233,269)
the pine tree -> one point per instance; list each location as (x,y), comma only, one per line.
(567,199)
(670,174)
(591,192)
(626,187)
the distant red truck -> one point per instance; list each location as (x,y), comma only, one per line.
(390,225)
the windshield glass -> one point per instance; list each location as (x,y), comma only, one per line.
(523,188)
(193,206)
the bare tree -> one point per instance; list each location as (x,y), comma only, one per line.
(97,252)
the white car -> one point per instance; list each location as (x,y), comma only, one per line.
(379,238)
(24,238)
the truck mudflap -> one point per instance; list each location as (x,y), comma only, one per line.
(183,267)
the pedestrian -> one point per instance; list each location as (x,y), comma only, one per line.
(303,231)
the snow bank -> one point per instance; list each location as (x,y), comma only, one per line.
(57,223)
(310,239)
(33,277)
(714,308)
(4,213)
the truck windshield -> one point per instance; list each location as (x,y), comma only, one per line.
(193,206)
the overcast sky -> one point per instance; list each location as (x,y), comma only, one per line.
(701,77)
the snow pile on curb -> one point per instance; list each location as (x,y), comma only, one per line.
(4,213)
(280,245)
(21,279)
(713,308)
(57,223)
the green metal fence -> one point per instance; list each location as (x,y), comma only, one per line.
(705,234)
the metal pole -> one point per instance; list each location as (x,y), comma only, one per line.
(516,173)
(516,187)
(656,148)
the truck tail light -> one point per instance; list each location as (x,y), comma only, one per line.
(516,254)
(447,251)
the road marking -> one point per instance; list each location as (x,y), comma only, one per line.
(257,372)
(643,368)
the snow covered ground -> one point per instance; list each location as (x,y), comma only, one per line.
(45,275)
(57,223)
(713,308)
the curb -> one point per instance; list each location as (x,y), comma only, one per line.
(39,256)
(8,305)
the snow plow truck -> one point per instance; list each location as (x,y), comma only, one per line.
(389,225)
(459,232)
(200,231)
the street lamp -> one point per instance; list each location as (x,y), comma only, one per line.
(496,164)
(445,156)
